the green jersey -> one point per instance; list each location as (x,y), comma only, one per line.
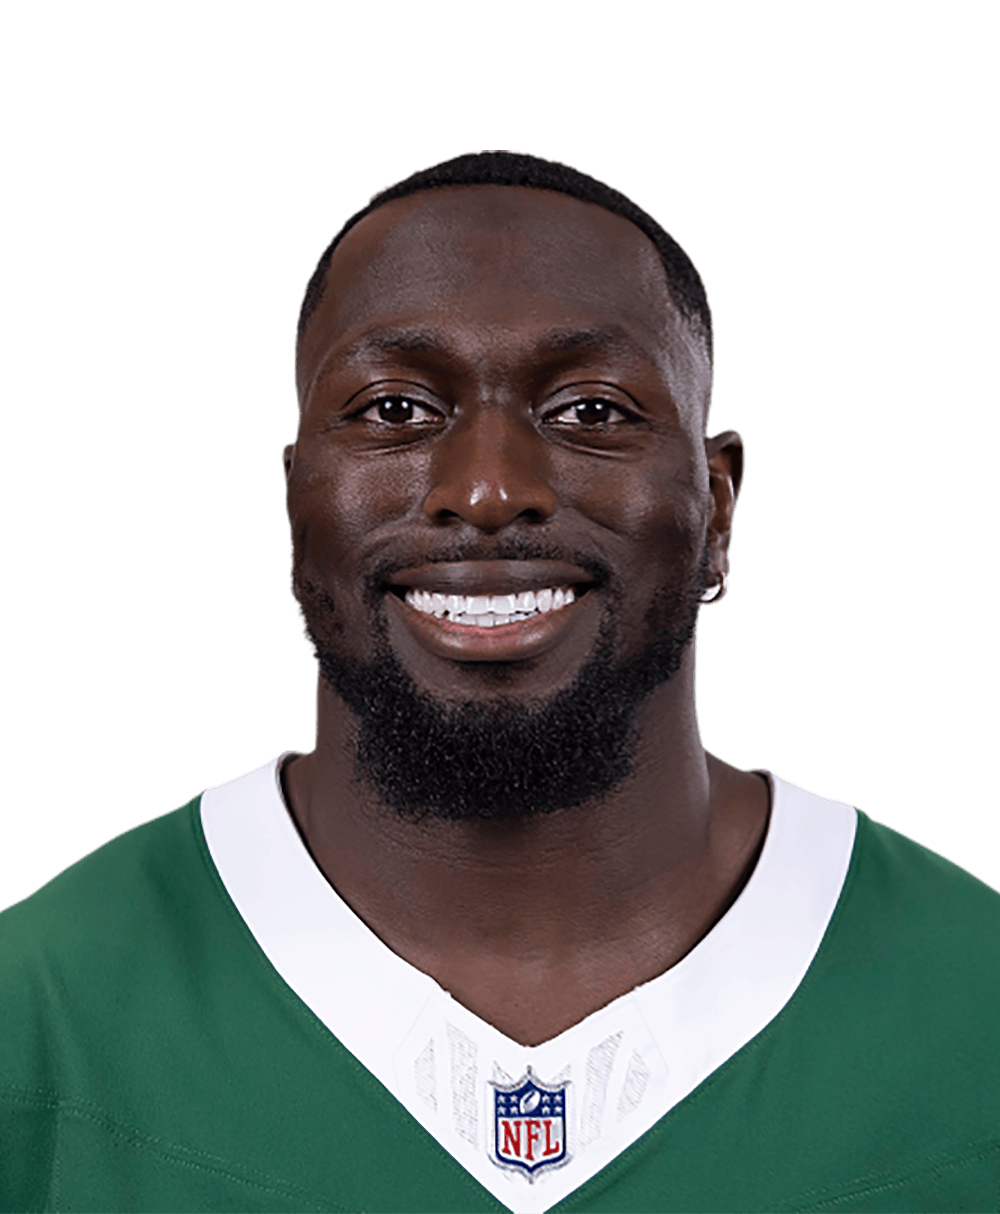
(191,1019)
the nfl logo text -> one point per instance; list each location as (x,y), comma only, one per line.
(529,1125)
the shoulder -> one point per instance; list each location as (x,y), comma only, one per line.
(918,905)
(906,979)
(70,953)
(97,897)
(908,975)
(877,1086)
(894,903)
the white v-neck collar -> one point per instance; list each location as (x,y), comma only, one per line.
(621,1068)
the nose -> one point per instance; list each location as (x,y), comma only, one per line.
(489,471)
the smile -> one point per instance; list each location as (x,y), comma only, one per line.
(493,611)
(490,610)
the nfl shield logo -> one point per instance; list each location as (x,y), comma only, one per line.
(529,1125)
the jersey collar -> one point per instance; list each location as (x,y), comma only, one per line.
(625,1066)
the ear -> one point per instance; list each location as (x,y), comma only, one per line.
(288,456)
(724,454)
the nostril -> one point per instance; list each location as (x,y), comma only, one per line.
(445,516)
(489,508)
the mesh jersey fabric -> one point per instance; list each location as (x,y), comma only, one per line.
(152,1059)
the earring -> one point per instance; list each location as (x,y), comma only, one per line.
(712,594)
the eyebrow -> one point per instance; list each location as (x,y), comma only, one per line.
(570,340)
(393,341)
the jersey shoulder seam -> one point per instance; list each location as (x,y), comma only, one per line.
(172,1152)
(861,1186)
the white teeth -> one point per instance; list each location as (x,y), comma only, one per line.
(490,610)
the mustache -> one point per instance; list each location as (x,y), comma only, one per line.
(380,576)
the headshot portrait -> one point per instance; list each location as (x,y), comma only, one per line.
(500,664)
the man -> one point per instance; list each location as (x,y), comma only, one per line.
(508,938)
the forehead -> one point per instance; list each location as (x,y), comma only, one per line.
(499,259)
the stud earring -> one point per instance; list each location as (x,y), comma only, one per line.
(712,594)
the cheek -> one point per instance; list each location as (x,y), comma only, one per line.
(336,505)
(657,512)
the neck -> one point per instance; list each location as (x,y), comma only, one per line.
(569,909)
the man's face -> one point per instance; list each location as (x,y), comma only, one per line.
(498,399)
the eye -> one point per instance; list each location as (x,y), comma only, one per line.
(399,411)
(594,412)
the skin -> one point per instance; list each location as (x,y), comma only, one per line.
(557,397)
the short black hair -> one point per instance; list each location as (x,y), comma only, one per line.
(517,169)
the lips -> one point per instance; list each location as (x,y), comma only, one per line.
(490,577)
(490,610)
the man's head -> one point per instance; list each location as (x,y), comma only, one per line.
(531,172)
(503,392)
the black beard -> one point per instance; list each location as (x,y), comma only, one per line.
(470,761)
